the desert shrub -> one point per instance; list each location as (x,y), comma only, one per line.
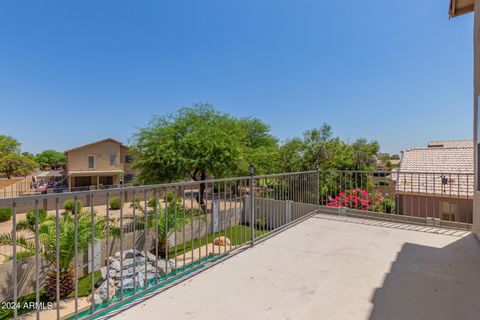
(262,223)
(42,215)
(171,197)
(69,205)
(5,214)
(137,204)
(152,202)
(382,182)
(386,206)
(114,203)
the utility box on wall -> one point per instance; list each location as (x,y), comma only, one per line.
(96,256)
(215,215)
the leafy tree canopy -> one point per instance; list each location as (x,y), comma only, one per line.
(319,147)
(193,142)
(364,152)
(12,161)
(198,142)
(8,145)
(291,155)
(50,159)
(14,164)
(259,147)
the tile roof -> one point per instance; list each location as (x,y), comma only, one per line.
(451,143)
(436,170)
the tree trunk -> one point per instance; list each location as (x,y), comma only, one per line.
(67,284)
(201,195)
(162,248)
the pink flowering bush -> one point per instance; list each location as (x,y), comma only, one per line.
(356,199)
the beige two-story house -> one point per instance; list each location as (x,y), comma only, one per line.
(104,163)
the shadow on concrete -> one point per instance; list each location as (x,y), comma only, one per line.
(432,283)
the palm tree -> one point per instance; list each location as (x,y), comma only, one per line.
(163,222)
(47,236)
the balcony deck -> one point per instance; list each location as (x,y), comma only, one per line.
(330,267)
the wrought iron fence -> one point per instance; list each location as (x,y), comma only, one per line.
(81,254)
(436,198)
(27,189)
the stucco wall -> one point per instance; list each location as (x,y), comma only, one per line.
(476,57)
(127,167)
(77,160)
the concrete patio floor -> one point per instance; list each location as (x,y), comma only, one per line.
(331,267)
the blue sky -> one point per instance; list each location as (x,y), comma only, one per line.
(399,72)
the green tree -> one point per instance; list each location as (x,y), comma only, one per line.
(259,147)
(320,148)
(12,162)
(28,155)
(364,154)
(50,159)
(164,222)
(198,142)
(340,156)
(317,148)
(16,165)
(47,236)
(291,155)
(316,142)
(193,142)
(9,145)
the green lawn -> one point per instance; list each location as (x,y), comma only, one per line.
(238,234)
(85,284)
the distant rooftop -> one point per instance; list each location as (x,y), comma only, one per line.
(422,169)
(448,160)
(454,156)
(96,142)
(450,144)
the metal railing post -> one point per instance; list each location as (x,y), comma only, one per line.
(14,258)
(252,204)
(318,188)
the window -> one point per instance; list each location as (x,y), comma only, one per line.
(449,210)
(82,182)
(106,180)
(129,178)
(113,159)
(91,162)
(128,158)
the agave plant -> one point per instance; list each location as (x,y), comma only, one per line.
(47,236)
